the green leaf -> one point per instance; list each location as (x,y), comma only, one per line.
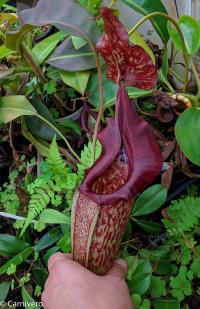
(50,86)
(149,226)
(4,289)
(150,200)
(12,107)
(157,287)
(41,145)
(70,124)
(91,5)
(17,259)
(187,130)
(140,283)
(190,28)
(137,39)
(110,90)
(29,302)
(76,80)
(180,285)
(145,304)
(52,216)
(78,42)
(43,49)
(39,127)
(49,239)
(146,7)
(136,299)
(67,58)
(4,51)
(11,245)
(141,277)
(167,303)
(64,14)
(49,253)
(2,2)
(65,243)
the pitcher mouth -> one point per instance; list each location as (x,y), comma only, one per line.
(126,138)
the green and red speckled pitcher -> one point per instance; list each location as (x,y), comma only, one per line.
(130,160)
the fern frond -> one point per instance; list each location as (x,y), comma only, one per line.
(87,159)
(55,161)
(184,214)
(57,181)
(42,193)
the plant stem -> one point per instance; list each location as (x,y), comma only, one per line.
(176,75)
(169,86)
(60,134)
(22,70)
(196,76)
(100,113)
(101,108)
(112,2)
(185,55)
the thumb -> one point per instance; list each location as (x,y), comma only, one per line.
(119,269)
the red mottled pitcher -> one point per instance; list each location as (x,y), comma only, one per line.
(130,158)
(129,162)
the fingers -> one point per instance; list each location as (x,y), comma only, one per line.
(119,269)
(58,257)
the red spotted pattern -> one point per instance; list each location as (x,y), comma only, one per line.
(126,63)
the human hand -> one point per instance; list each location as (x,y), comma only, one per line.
(71,286)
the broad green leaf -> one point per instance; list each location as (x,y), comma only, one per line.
(149,226)
(38,127)
(41,145)
(52,216)
(136,299)
(67,58)
(187,131)
(146,7)
(140,283)
(49,253)
(43,49)
(110,90)
(150,200)
(167,303)
(190,28)
(4,51)
(12,107)
(11,18)
(17,259)
(4,289)
(141,278)
(2,2)
(65,243)
(70,124)
(64,14)
(29,302)
(49,239)
(137,39)
(11,245)
(76,80)
(78,42)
